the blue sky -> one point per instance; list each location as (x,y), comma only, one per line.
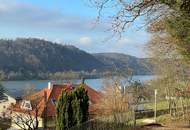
(67,22)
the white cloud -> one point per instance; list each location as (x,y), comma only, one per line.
(24,15)
(85,40)
(124,41)
(3,8)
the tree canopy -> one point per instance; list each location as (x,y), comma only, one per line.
(175,14)
(72,108)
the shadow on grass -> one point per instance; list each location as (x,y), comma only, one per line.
(100,125)
(5,124)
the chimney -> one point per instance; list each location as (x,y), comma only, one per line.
(49,85)
(18,99)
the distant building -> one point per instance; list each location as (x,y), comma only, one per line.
(52,93)
(137,103)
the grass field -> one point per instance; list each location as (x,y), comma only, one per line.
(164,104)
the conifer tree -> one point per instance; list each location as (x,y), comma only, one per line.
(72,108)
(80,104)
(64,111)
(2,91)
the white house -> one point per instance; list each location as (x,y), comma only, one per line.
(5,103)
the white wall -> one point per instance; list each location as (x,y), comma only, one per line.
(6,104)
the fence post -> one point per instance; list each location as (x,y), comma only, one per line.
(155,107)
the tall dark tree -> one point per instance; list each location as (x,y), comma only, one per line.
(2,91)
(72,108)
(64,111)
(80,104)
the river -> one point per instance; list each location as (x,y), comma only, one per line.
(16,88)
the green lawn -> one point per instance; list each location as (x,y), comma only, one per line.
(160,105)
(128,116)
(164,104)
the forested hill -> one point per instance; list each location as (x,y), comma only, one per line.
(39,55)
(123,61)
(35,56)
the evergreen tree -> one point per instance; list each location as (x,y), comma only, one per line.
(2,91)
(64,111)
(72,108)
(80,104)
(59,112)
(83,80)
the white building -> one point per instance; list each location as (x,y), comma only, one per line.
(5,103)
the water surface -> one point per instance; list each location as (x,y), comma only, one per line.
(16,88)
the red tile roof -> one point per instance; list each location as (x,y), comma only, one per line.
(53,94)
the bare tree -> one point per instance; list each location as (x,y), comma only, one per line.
(126,12)
(29,90)
(26,116)
(114,101)
(169,65)
(27,119)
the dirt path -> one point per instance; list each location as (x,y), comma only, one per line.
(163,128)
(157,127)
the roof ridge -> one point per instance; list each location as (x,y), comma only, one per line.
(48,96)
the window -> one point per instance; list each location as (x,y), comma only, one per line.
(26,105)
(54,102)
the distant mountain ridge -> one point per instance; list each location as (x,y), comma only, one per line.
(139,66)
(31,55)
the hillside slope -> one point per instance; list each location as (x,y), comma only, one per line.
(33,57)
(43,56)
(123,61)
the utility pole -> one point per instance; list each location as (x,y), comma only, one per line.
(155,103)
